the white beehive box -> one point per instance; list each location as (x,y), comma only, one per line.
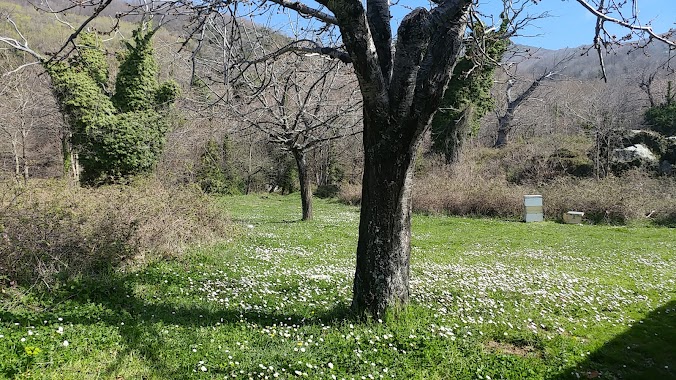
(533,208)
(573,217)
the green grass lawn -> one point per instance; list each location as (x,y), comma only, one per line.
(490,300)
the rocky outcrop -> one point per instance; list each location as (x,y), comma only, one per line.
(654,141)
(634,156)
(645,149)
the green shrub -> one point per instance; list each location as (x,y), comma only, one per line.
(662,118)
(665,218)
(216,174)
(284,175)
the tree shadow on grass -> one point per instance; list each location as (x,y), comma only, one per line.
(140,323)
(647,350)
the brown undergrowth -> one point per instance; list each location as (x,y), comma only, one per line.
(476,188)
(53,230)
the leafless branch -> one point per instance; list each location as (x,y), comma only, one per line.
(634,27)
(20,45)
(312,47)
(16,70)
(74,35)
(307,11)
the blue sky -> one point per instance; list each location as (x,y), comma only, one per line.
(569,25)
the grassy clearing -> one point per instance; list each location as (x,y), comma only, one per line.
(490,300)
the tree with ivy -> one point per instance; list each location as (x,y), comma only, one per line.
(114,135)
(468,97)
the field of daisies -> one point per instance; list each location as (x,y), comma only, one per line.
(490,300)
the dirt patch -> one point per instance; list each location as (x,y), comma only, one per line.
(512,349)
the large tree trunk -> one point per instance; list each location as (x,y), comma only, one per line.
(384,250)
(505,121)
(305,187)
(401,92)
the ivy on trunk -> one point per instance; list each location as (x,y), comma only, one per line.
(120,135)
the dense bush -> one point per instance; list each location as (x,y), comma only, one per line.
(216,174)
(634,197)
(327,191)
(465,192)
(54,230)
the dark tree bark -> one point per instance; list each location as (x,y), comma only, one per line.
(455,133)
(401,93)
(304,179)
(383,252)
(504,127)
(646,85)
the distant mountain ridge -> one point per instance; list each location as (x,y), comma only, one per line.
(621,62)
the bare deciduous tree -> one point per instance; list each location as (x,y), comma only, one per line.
(24,114)
(309,100)
(514,101)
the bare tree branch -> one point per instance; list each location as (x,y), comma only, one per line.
(74,35)
(16,70)
(505,120)
(313,48)
(21,46)
(641,28)
(598,41)
(378,16)
(307,11)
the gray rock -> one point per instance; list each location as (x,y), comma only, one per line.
(650,139)
(632,153)
(635,156)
